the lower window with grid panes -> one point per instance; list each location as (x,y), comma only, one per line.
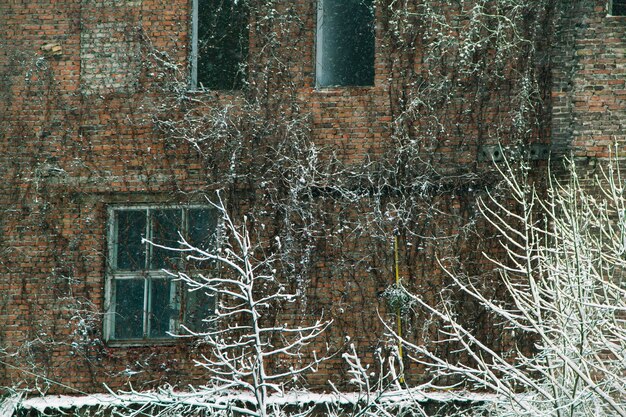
(144,303)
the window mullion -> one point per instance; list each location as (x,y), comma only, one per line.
(179,295)
(146,289)
(142,302)
(174,304)
(319,42)
(148,249)
(110,292)
(146,307)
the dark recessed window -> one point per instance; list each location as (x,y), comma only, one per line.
(219,44)
(618,7)
(143,301)
(345,43)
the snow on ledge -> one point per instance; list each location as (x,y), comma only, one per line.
(9,405)
(57,402)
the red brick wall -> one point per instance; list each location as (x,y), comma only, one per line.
(588,73)
(77,133)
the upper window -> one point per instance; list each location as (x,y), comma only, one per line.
(345,43)
(143,301)
(219,48)
(618,7)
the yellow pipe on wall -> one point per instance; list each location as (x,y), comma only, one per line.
(398,315)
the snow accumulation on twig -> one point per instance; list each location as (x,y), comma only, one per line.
(8,405)
(58,402)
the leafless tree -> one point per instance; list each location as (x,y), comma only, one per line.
(239,336)
(564,276)
(446,60)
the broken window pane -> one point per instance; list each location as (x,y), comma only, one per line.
(162,307)
(222,44)
(345,43)
(165,227)
(618,8)
(129,295)
(131,227)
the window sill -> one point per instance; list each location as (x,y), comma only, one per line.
(145,342)
(217,93)
(342,88)
(350,91)
(215,96)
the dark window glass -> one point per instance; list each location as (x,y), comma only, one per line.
(146,303)
(202,228)
(618,8)
(129,296)
(162,308)
(345,43)
(131,227)
(200,305)
(166,225)
(222,44)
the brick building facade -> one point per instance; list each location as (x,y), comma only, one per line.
(588,89)
(104,125)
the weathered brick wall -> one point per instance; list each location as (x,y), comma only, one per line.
(75,136)
(77,133)
(588,79)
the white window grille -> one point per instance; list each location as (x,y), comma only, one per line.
(143,302)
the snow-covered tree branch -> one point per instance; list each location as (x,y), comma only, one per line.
(240,336)
(564,279)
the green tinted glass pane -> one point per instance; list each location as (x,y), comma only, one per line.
(198,307)
(131,227)
(618,8)
(202,225)
(162,307)
(129,296)
(165,227)
(222,43)
(347,43)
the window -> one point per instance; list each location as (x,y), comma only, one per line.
(345,43)
(143,301)
(618,7)
(219,47)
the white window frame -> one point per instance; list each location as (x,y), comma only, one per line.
(194,46)
(319,42)
(148,276)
